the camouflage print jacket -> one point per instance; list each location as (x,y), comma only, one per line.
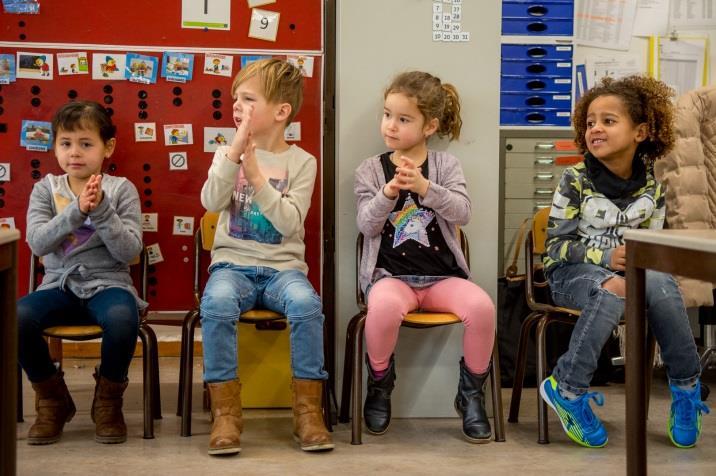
(585,225)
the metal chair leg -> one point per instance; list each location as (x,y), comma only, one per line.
(188,349)
(343,416)
(147,385)
(496,384)
(520,366)
(357,394)
(180,387)
(154,366)
(541,375)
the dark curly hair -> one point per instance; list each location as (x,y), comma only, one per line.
(647,100)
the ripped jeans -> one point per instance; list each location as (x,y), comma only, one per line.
(579,286)
(232,290)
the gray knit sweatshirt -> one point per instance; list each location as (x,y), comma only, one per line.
(447,196)
(82,253)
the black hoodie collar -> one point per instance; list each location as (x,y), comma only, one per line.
(611,185)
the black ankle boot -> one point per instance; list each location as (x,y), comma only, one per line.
(470,405)
(376,411)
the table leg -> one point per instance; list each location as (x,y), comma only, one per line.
(635,362)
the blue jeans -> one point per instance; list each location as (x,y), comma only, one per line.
(232,290)
(579,286)
(114,310)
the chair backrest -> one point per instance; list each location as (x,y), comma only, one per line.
(207,227)
(360,297)
(539,230)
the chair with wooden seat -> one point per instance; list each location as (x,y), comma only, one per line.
(352,390)
(543,314)
(261,318)
(150,352)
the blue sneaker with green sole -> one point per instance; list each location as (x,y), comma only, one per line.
(685,416)
(578,420)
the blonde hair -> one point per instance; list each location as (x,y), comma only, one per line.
(435,100)
(280,80)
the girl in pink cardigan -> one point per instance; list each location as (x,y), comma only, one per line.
(410,202)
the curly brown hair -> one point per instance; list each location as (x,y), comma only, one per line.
(647,100)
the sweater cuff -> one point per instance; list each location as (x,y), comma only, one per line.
(101,209)
(432,196)
(226,169)
(607,258)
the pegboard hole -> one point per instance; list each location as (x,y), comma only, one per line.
(177,102)
(147,203)
(35,164)
(2,192)
(147,191)
(143,114)
(147,179)
(108,89)
(110,111)
(35,90)
(142,94)
(108,99)
(35,174)
(146,167)
(216,93)
(177,91)
(142,105)
(112,167)
(217,115)
(1,111)
(2,203)
(23,36)
(216,104)
(35,102)
(71,94)
(292,26)
(21,24)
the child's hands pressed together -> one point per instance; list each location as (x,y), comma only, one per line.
(91,195)
(409,177)
(242,136)
(252,172)
(617,262)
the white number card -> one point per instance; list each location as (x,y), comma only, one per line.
(264,24)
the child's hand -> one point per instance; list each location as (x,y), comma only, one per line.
(617,262)
(91,195)
(410,178)
(392,188)
(242,136)
(252,172)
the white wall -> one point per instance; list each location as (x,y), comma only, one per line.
(376,40)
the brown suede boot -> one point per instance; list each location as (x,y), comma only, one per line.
(107,411)
(227,424)
(308,428)
(54,408)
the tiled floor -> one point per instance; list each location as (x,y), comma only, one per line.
(411,446)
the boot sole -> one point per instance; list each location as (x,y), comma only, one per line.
(43,441)
(470,439)
(224,451)
(110,440)
(317,447)
(377,433)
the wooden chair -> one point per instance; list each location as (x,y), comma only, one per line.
(150,352)
(542,315)
(353,362)
(203,242)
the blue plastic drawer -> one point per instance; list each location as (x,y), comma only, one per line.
(544,10)
(527,26)
(536,84)
(534,117)
(536,100)
(537,52)
(537,68)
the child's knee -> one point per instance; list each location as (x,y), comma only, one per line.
(303,305)
(615,285)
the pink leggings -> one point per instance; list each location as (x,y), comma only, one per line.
(390,299)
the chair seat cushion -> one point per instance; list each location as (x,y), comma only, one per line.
(430,318)
(258,315)
(74,332)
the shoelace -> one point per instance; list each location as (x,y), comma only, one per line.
(686,406)
(587,414)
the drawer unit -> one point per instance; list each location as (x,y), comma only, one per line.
(561,69)
(531,164)
(547,18)
(533,100)
(538,84)
(535,117)
(537,52)
(538,10)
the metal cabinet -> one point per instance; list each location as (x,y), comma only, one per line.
(531,165)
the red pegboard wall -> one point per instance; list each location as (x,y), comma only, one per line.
(158,23)
(146,164)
